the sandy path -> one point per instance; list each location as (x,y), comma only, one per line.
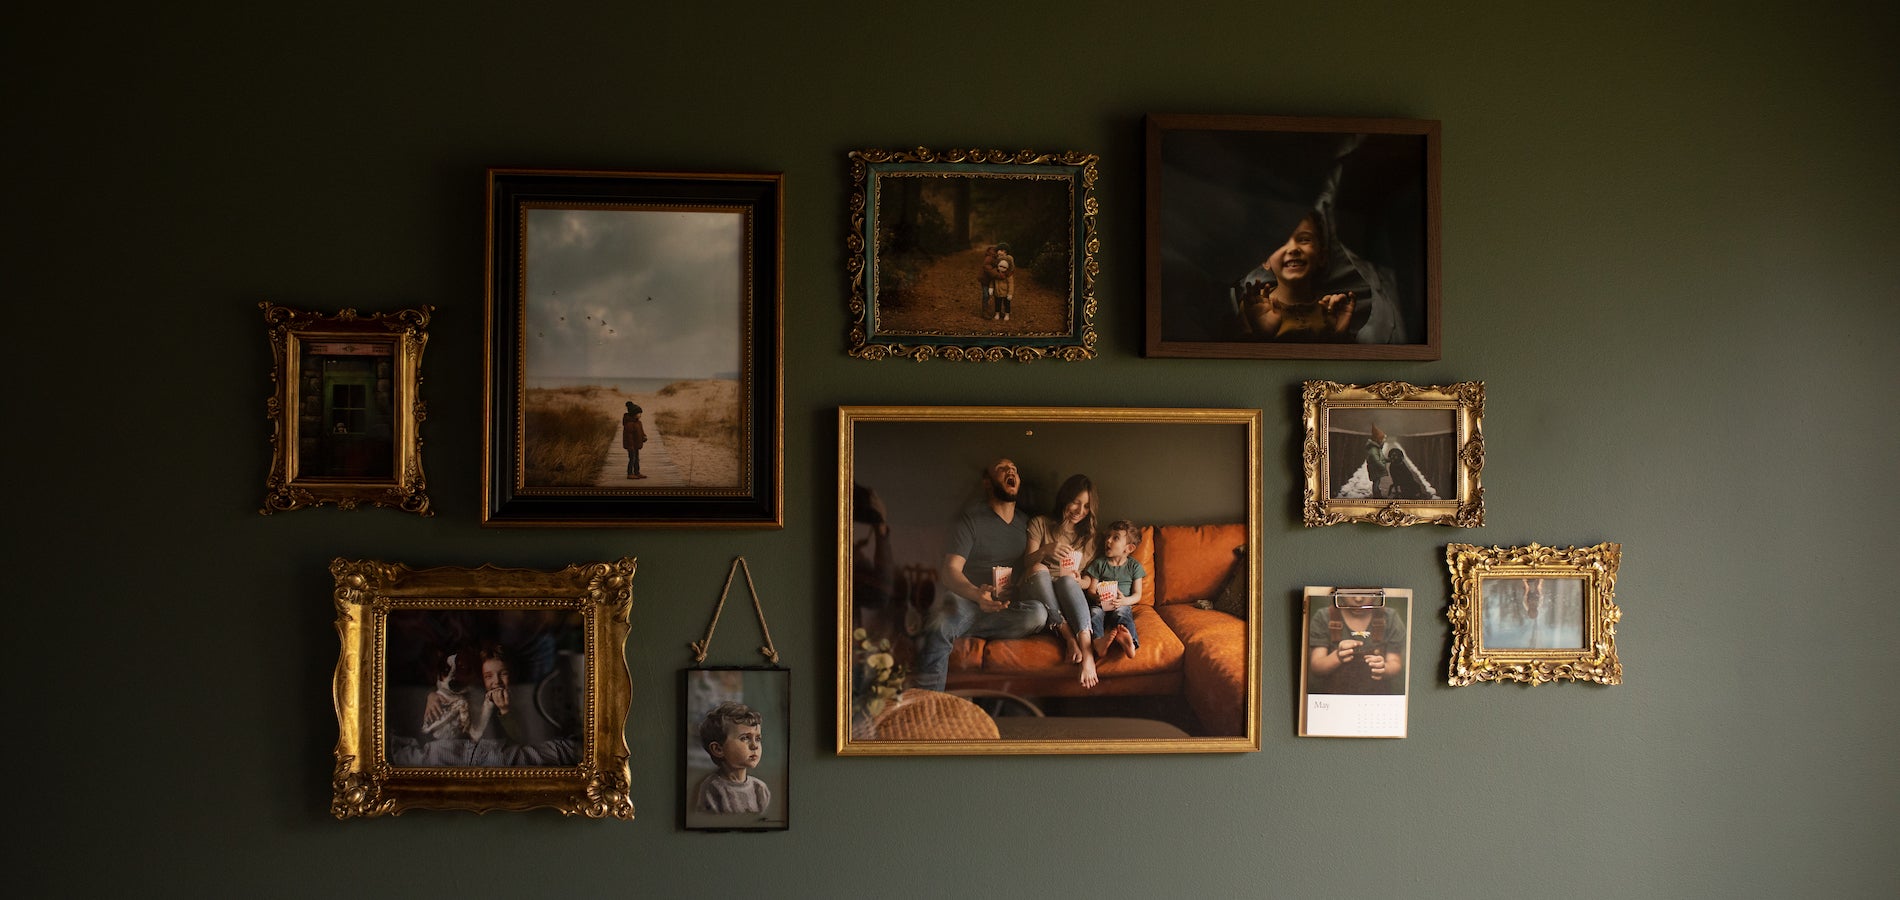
(668,462)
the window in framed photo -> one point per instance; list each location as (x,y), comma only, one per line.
(738,748)
(1292,238)
(1534,614)
(1394,453)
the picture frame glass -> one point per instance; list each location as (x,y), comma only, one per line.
(737,748)
(346,409)
(1385,453)
(485,687)
(925,668)
(1534,612)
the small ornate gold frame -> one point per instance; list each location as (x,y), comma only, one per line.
(1462,506)
(366,784)
(975,341)
(1473,659)
(300,402)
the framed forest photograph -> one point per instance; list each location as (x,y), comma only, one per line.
(972,255)
(634,349)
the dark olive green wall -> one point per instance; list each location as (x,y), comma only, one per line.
(1670,249)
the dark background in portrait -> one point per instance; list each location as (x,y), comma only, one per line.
(1230,198)
(1668,251)
(538,645)
(1429,437)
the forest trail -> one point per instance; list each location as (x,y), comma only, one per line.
(947,299)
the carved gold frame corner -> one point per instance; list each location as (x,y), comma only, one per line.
(861,255)
(1464,510)
(287,486)
(366,784)
(1472,660)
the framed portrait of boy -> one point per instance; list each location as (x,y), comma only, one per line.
(481,689)
(635,360)
(738,748)
(1273,237)
(1393,453)
(1048,580)
(972,255)
(1534,614)
(345,409)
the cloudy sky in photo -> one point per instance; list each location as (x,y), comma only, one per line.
(633,293)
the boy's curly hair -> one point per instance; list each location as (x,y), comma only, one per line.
(720,721)
(1126,528)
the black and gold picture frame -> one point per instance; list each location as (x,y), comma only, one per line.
(1393,453)
(635,352)
(345,409)
(482,689)
(972,255)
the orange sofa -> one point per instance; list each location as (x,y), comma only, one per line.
(1199,654)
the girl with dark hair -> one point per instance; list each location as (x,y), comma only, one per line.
(1060,545)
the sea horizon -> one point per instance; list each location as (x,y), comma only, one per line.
(627,385)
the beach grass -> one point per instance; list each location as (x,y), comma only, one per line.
(565,436)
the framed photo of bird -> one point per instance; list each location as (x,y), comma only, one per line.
(635,350)
(1394,453)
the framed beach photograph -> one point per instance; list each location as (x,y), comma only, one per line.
(738,748)
(1393,453)
(1534,614)
(1272,237)
(972,255)
(634,371)
(1356,662)
(481,689)
(345,409)
(1048,580)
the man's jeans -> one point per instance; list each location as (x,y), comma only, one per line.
(952,617)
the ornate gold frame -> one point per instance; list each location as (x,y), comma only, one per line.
(288,487)
(861,248)
(958,419)
(1472,660)
(366,784)
(1465,398)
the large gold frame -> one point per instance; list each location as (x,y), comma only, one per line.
(850,416)
(1472,660)
(287,487)
(861,250)
(366,784)
(1465,398)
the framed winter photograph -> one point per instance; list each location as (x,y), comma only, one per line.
(634,369)
(481,689)
(972,255)
(1534,614)
(346,409)
(737,769)
(1274,237)
(1393,453)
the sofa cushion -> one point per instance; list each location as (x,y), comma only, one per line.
(1215,668)
(1144,553)
(1232,596)
(1160,651)
(1192,561)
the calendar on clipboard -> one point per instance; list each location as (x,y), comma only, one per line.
(1356,661)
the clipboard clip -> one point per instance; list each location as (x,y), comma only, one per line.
(1359,598)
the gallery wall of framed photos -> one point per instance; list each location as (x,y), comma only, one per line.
(1638,239)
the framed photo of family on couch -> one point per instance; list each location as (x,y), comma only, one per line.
(1393,453)
(481,689)
(973,255)
(1048,580)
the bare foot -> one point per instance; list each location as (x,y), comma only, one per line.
(1124,640)
(1088,672)
(1068,641)
(1101,646)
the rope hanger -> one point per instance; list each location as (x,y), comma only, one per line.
(701,647)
